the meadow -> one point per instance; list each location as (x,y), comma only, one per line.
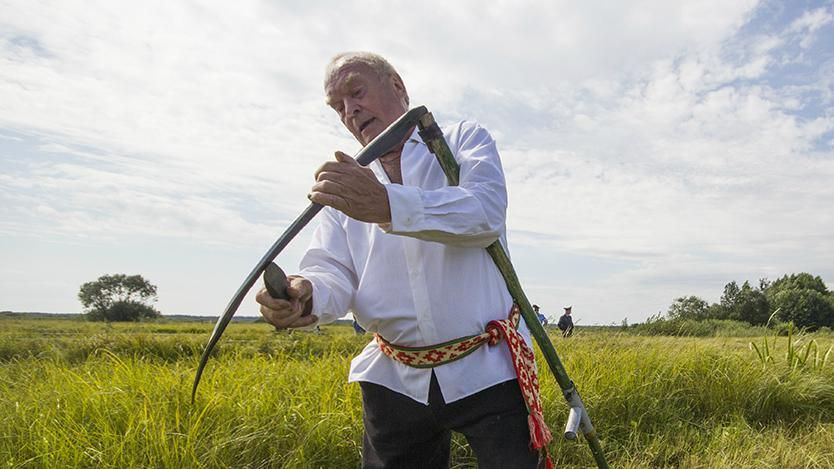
(82,394)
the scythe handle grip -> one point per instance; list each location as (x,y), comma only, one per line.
(275,281)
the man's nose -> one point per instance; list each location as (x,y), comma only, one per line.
(351,107)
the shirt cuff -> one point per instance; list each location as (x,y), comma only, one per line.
(319,298)
(406,209)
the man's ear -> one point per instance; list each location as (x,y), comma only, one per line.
(399,87)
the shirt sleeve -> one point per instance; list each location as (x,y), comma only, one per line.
(328,265)
(472,214)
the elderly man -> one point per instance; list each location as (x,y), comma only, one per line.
(403,251)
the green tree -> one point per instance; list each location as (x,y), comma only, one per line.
(743,303)
(752,306)
(806,307)
(729,299)
(118,297)
(716,311)
(689,307)
(802,298)
(801,281)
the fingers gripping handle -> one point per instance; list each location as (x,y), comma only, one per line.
(275,281)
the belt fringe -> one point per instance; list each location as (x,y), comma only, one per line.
(523,362)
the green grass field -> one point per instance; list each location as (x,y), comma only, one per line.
(80,394)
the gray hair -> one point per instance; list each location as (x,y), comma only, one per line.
(376,62)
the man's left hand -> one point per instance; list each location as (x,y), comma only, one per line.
(352,189)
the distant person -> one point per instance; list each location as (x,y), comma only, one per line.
(542,317)
(566,323)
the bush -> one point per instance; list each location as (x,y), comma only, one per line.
(696,328)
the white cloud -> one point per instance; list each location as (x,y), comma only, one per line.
(654,135)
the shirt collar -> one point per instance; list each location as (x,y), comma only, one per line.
(376,165)
(415,137)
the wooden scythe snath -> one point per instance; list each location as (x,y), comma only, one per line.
(578,418)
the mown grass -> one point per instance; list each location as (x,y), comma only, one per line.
(76,394)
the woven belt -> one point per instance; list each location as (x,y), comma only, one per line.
(523,362)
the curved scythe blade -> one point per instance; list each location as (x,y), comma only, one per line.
(386,141)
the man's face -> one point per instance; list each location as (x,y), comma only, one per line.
(366,103)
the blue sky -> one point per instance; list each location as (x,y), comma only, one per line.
(653,149)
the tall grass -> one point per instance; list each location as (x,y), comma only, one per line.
(89,395)
(799,353)
(273,401)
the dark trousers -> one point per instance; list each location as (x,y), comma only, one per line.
(403,433)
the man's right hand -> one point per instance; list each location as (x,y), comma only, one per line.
(284,314)
(352,189)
